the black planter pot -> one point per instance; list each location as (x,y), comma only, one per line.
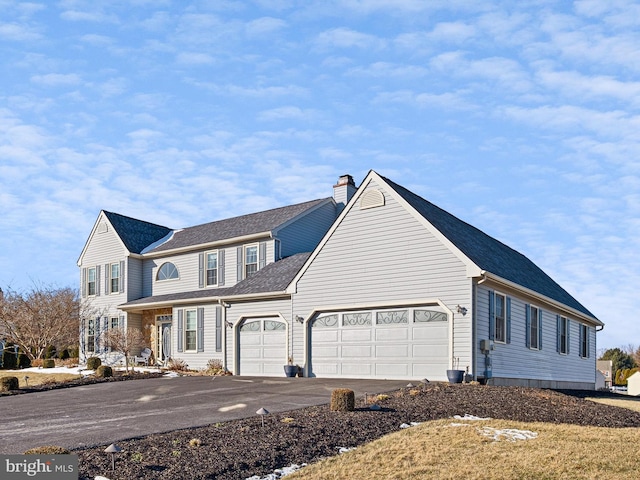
(290,370)
(455,376)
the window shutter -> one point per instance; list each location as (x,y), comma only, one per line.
(105,329)
(588,332)
(200,329)
(527,322)
(84,282)
(221,267)
(121,276)
(508,300)
(539,329)
(180,330)
(97,280)
(568,337)
(239,264)
(580,340)
(558,333)
(277,250)
(201,270)
(218,328)
(121,322)
(107,277)
(262,256)
(492,317)
(96,336)
(83,333)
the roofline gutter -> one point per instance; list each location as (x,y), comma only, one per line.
(199,246)
(561,306)
(213,299)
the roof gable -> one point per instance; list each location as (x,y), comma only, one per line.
(236,227)
(136,234)
(487,253)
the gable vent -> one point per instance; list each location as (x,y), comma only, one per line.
(371,198)
(102,228)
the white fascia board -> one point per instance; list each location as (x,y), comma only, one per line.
(211,299)
(157,243)
(543,298)
(206,246)
(101,217)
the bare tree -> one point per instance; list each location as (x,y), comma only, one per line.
(124,341)
(41,317)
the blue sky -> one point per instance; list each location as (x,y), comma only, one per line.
(521,118)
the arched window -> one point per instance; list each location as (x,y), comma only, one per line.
(167,271)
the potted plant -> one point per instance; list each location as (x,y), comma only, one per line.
(455,375)
(290,370)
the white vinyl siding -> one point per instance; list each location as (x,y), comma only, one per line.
(410,264)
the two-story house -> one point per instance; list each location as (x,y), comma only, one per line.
(373,282)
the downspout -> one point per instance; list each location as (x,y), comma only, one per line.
(487,353)
(224,306)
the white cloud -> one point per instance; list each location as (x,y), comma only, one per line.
(347,38)
(264,26)
(18,33)
(57,79)
(193,58)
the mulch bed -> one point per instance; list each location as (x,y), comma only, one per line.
(243,448)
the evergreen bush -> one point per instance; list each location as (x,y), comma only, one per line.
(104,371)
(48,363)
(64,354)
(9,359)
(93,363)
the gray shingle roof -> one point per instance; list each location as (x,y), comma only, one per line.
(235,227)
(488,253)
(274,277)
(136,234)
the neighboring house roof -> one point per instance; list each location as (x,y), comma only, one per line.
(274,277)
(487,253)
(235,227)
(136,234)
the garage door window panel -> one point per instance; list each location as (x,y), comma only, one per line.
(426,316)
(359,319)
(392,317)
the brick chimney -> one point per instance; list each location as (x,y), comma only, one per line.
(343,191)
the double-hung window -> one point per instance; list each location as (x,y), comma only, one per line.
(91,335)
(91,281)
(563,335)
(212,268)
(114,283)
(534,321)
(584,341)
(500,318)
(190,330)
(114,323)
(250,260)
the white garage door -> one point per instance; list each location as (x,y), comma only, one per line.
(262,347)
(398,343)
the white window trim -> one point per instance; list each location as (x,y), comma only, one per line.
(206,269)
(195,330)
(166,279)
(111,278)
(95,281)
(244,259)
(504,317)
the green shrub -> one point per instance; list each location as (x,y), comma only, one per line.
(48,363)
(104,371)
(343,400)
(93,363)
(74,352)
(23,360)
(9,383)
(47,450)
(64,354)
(9,359)
(50,352)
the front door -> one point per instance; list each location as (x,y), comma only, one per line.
(163,338)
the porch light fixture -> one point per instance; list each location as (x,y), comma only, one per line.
(299,319)
(229,324)
(461,310)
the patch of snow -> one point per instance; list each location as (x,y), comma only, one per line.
(345,449)
(470,417)
(509,434)
(279,473)
(171,375)
(100,477)
(406,425)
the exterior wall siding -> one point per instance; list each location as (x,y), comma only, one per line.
(197,360)
(514,362)
(384,254)
(304,234)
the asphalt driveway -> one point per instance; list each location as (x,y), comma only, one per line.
(108,412)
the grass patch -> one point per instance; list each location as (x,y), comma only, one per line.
(36,378)
(440,450)
(632,403)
